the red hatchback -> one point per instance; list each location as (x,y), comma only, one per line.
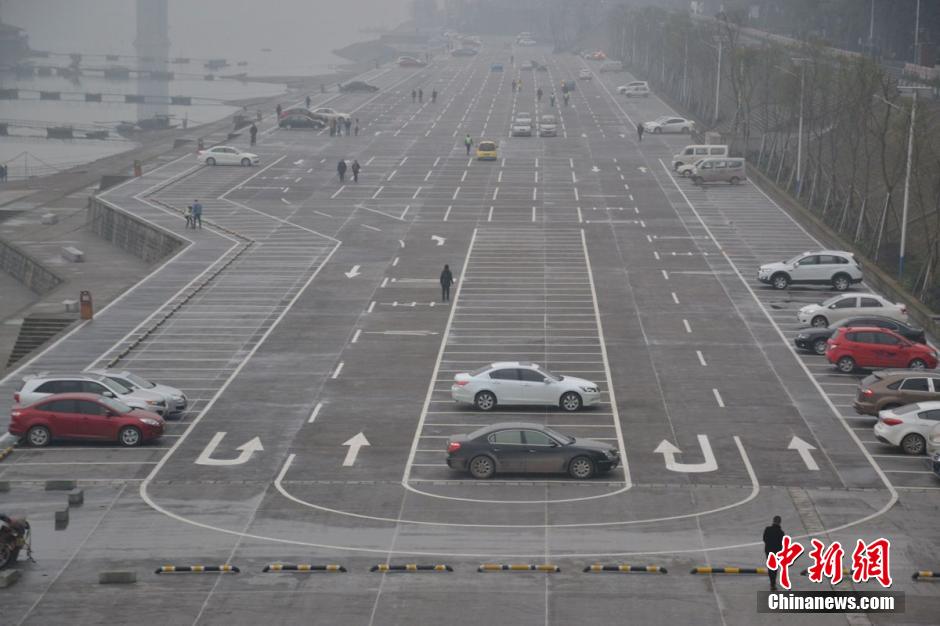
(855,347)
(84,416)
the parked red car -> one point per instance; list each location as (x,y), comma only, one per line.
(84,416)
(871,347)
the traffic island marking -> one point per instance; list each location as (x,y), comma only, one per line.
(624,569)
(410,567)
(518,567)
(302,567)
(197,569)
(729,570)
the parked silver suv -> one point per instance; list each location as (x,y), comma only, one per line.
(36,388)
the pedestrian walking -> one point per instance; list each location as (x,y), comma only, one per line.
(357,127)
(258,115)
(467,141)
(566,98)
(519,85)
(3,173)
(355,171)
(538,94)
(332,127)
(278,110)
(414,95)
(348,124)
(639,131)
(773,542)
(253,131)
(197,214)
(189,217)
(552,100)
(341,170)
(308,102)
(514,85)
(434,96)
(421,95)
(447,279)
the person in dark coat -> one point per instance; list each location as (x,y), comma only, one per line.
(308,102)
(253,131)
(197,214)
(773,542)
(421,95)
(414,94)
(639,131)
(355,171)
(341,170)
(348,124)
(278,110)
(447,279)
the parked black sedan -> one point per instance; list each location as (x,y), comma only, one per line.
(814,339)
(520,447)
(357,85)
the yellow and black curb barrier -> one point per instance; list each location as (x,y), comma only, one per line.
(5,452)
(410,567)
(729,570)
(303,567)
(518,567)
(197,569)
(925,575)
(623,568)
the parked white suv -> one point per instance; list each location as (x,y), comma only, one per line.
(176,401)
(36,388)
(522,383)
(825,267)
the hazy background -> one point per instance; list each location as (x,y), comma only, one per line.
(300,33)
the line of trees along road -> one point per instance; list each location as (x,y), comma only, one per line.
(855,128)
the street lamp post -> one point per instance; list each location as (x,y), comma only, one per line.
(718,81)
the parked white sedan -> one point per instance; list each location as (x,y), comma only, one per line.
(175,399)
(522,383)
(908,427)
(226,155)
(668,124)
(850,305)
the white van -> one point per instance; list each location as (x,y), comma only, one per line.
(719,170)
(611,66)
(635,88)
(691,154)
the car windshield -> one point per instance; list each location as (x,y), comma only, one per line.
(112,385)
(564,439)
(548,119)
(140,382)
(115,405)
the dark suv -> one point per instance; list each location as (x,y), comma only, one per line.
(889,389)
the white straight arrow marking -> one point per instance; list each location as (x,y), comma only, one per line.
(354,444)
(353,272)
(246,449)
(805,449)
(669,452)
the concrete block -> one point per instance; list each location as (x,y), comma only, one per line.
(117,577)
(4,486)
(60,485)
(61,519)
(71,306)
(73,254)
(8,577)
(50,218)
(76,497)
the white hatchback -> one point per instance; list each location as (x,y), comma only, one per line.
(226,155)
(842,306)
(908,427)
(522,383)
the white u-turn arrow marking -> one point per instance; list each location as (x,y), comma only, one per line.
(438,239)
(669,452)
(247,449)
(353,272)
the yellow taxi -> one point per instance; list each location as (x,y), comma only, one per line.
(486,150)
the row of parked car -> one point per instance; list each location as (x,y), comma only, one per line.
(109,405)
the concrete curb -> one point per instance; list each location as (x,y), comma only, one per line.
(410,567)
(302,567)
(623,568)
(518,567)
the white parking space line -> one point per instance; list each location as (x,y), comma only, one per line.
(718,398)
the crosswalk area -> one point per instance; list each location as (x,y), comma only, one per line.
(525,295)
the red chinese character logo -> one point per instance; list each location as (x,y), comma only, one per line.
(826,563)
(871,561)
(782,560)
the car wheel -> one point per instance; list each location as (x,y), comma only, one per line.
(780,281)
(841,282)
(482,467)
(39,436)
(913,444)
(686,130)
(820,346)
(210,161)
(917,364)
(685,173)
(819,322)
(657,130)
(485,401)
(735,180)
(570,401)
(581,468)
(129,437)
(846,365)
(246,162)
(677,165)
(7,555)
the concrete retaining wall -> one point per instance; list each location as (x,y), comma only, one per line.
(143,240)
(27,270)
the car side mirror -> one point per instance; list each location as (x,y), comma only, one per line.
(832,306)
(108,394)
(553,444)
(547,381)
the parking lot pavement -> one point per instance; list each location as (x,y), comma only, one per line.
(317,354)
